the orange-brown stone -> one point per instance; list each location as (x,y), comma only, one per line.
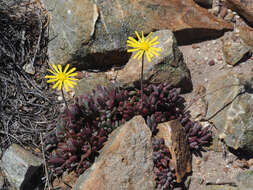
(176,140)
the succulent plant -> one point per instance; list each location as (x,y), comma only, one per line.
(165,176)
(86,124)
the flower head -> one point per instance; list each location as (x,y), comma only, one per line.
(143,46)
(60,77)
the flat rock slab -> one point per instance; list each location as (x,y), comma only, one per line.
(231,110)
(124,163)
(21,167)
(176,140)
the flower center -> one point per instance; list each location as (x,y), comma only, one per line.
(144,46)
(61,77)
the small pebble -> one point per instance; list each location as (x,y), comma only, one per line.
(226,169)
(236,30)
(211,62)
(60,98)
(198,162)
(237,16)
(220,58)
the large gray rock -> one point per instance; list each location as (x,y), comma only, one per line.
(21,167)
(230,111)
(245,180)
(168,67)
(92,33)
(125,162)
(72,25)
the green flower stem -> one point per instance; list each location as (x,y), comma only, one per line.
(142,65)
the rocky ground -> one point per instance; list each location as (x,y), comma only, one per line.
(218,167)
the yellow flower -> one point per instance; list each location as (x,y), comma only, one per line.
(143,46)
(64,77)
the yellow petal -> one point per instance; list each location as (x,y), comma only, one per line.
(156,49)
(66,86)
(132,50)
(52,72)
(147,39)
(154,52)
(66,68)
(51,80)
(137,54)
(154,43)
(134,46)
(72,75)
(56,84)
(71,82)
(55,68)
(71,71)
(50,76)
(147,54)
(132,40)
(142,36)
(138,36)
(140,55)
(60,68)
(154,39)
(60,86)
(72,79)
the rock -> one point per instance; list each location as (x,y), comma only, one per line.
(234,51)
(211,62)
(86,85)
(29,68)
(205,3)
(125,162)
(242,7)
(176,140)
(167,67)
(221,187)
(66,178)
(245,180)
(21,167)
(232,113)
(198,104)
(96,38)
(72,24)
(1,180)
(246,34)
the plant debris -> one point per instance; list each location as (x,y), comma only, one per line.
(27,108)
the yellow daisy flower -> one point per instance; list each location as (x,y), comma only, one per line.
(143,46)
(60,77)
